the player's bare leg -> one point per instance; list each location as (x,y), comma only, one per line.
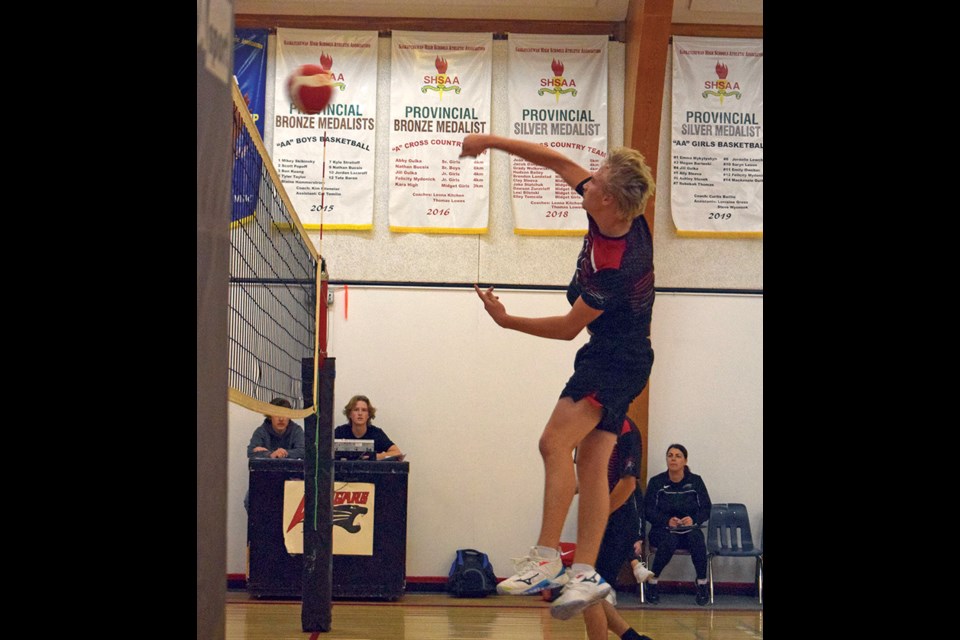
(569,423)
(603,616)
(594,509)
(573,424)
(543,568)
(595,621)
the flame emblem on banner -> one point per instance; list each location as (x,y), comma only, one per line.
(722,84)
(558,82)
(441,78)
(326,62)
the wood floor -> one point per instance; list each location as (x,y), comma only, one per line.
(439,617)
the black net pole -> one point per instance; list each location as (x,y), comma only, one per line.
(317,607)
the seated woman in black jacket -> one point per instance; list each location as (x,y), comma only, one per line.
(676,506)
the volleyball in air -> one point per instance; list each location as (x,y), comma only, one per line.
(310,88)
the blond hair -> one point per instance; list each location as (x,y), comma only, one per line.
(629,181)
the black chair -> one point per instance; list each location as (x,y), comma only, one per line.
(649,552)
(728,535)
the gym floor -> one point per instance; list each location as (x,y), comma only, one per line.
(438,616)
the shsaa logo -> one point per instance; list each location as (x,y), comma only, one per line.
(327,63)
(441,82)
(557,84)
(721,87)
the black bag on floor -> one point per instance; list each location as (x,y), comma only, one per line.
(471,575)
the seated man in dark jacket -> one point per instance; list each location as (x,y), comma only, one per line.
(277,436)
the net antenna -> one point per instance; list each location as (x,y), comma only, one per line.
(277,283)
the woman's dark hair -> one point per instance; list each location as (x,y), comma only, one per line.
(679,447)
(682,449)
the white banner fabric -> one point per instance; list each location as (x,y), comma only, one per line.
(557,98)
(440,86)
(326,161)
(717,137)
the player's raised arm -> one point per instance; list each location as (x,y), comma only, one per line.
(565,327)
(572,173)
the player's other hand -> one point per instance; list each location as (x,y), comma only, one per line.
(492,304)
(473,145)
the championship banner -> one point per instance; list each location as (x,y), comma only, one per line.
(353,517)
(440,87)
(326,161)
(250,70)
(717,168)
(558,98)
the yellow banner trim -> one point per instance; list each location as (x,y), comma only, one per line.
(332,227)
(549,232)
(720,234)
(436,230)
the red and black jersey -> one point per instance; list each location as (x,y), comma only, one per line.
(616,276)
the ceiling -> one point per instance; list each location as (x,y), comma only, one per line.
(734,12)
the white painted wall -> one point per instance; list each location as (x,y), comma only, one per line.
(467,401)
(706,393)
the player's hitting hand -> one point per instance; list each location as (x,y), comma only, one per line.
(472,146)
(492,304)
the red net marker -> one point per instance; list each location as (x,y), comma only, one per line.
(321,336)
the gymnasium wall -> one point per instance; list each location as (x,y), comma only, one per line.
(467,401)
(499,256)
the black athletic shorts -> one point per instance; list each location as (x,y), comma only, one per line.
(612,373)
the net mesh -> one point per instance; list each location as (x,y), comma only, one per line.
(273,280)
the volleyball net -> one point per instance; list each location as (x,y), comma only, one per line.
(278,329)
(277,278)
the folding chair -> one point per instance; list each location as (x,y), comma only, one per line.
(728,535)
(649,552)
